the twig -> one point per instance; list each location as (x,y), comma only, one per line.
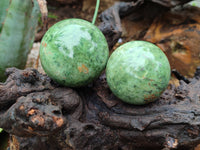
(44,12)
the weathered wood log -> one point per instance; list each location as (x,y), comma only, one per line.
(39,114)
(34,109)
(171,3)
(111,18)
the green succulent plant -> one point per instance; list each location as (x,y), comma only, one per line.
(18,21)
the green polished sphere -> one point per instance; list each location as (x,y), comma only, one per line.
(138,72)
(73,52)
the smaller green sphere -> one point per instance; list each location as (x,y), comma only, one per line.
(73,52)
(138,72)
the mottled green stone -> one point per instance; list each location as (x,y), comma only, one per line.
(138,72)
(73,52)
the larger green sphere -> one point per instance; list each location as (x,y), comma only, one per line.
(138,72)
(73,52)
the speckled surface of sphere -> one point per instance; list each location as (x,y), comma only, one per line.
(138,72)
(73,52)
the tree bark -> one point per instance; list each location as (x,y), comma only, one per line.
(40,114)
